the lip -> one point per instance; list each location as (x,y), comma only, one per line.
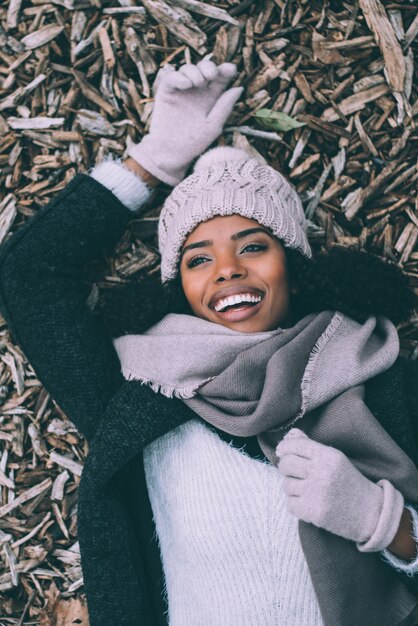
(237,315)
(233,291)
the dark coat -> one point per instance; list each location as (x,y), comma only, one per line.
(43,299)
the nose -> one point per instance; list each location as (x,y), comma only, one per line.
(227,267)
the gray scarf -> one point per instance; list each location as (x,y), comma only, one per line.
(261,384)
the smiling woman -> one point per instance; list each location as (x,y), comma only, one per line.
(239,277)
(243,360)
(225,231)
(248,335)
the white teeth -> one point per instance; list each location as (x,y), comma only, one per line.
(230,300)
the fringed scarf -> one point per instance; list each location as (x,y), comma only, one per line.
(262,384)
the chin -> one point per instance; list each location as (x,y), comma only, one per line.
(247,326)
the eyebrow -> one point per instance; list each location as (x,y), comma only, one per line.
(234,237)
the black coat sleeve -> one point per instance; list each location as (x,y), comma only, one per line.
(43,298)
(410,369)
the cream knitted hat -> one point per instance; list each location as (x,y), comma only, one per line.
(227,181)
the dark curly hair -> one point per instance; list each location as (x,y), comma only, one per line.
(354,282)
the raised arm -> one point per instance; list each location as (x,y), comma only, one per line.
(43,298)
(42,295)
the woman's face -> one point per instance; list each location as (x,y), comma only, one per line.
(221,258)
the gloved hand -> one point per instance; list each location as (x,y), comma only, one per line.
(190,109)
(324,488)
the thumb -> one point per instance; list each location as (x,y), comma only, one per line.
(223,107)
(294,433)
(162,72)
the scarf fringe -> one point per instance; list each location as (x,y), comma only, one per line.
(313,357)
(169,392)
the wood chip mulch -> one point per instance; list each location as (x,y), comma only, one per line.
(329,99)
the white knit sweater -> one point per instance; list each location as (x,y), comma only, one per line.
(230,550)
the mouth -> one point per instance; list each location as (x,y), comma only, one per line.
(237,306)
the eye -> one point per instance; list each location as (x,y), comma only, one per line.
(254,247)
(195,261)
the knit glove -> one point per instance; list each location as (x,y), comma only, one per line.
(324,488)
(190,109)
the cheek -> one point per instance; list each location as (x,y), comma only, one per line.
(275,273)
(192,290)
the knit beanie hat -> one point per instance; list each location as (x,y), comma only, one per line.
(227,181)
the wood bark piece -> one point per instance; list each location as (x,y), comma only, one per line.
(33,532)
(355,200)
(395,17)
(93,95)
(25,496)
(41,122)
(252,132)
(379,23)
(21,567)
(364,137)
(14,98)
(42,36)
(404,237)
(58,486)
(35,438)
(137,50)
(108,55)
(409,173)
(305,165)
(327,55)
(269,72)
(8,213)
(206,9)
(410,245)
(13,13)
(304,87)
(6,482)
(66,462)
(226,43)
(324,127)
(78,24)
(300,146)
(355,103)
(317,191)
(367,41)
(94,123)
(124,10)
(179,22)
(412,32)
(264,16)
(87,41)
(11,562)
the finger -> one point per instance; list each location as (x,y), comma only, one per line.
(161,75)
(296,506)
(303,447)
(208,69)
(176,80)
(194,74)
(292,486)
(222,108)
(227,71)
(293,466)
(293,432)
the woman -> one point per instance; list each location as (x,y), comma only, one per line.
(43,301)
